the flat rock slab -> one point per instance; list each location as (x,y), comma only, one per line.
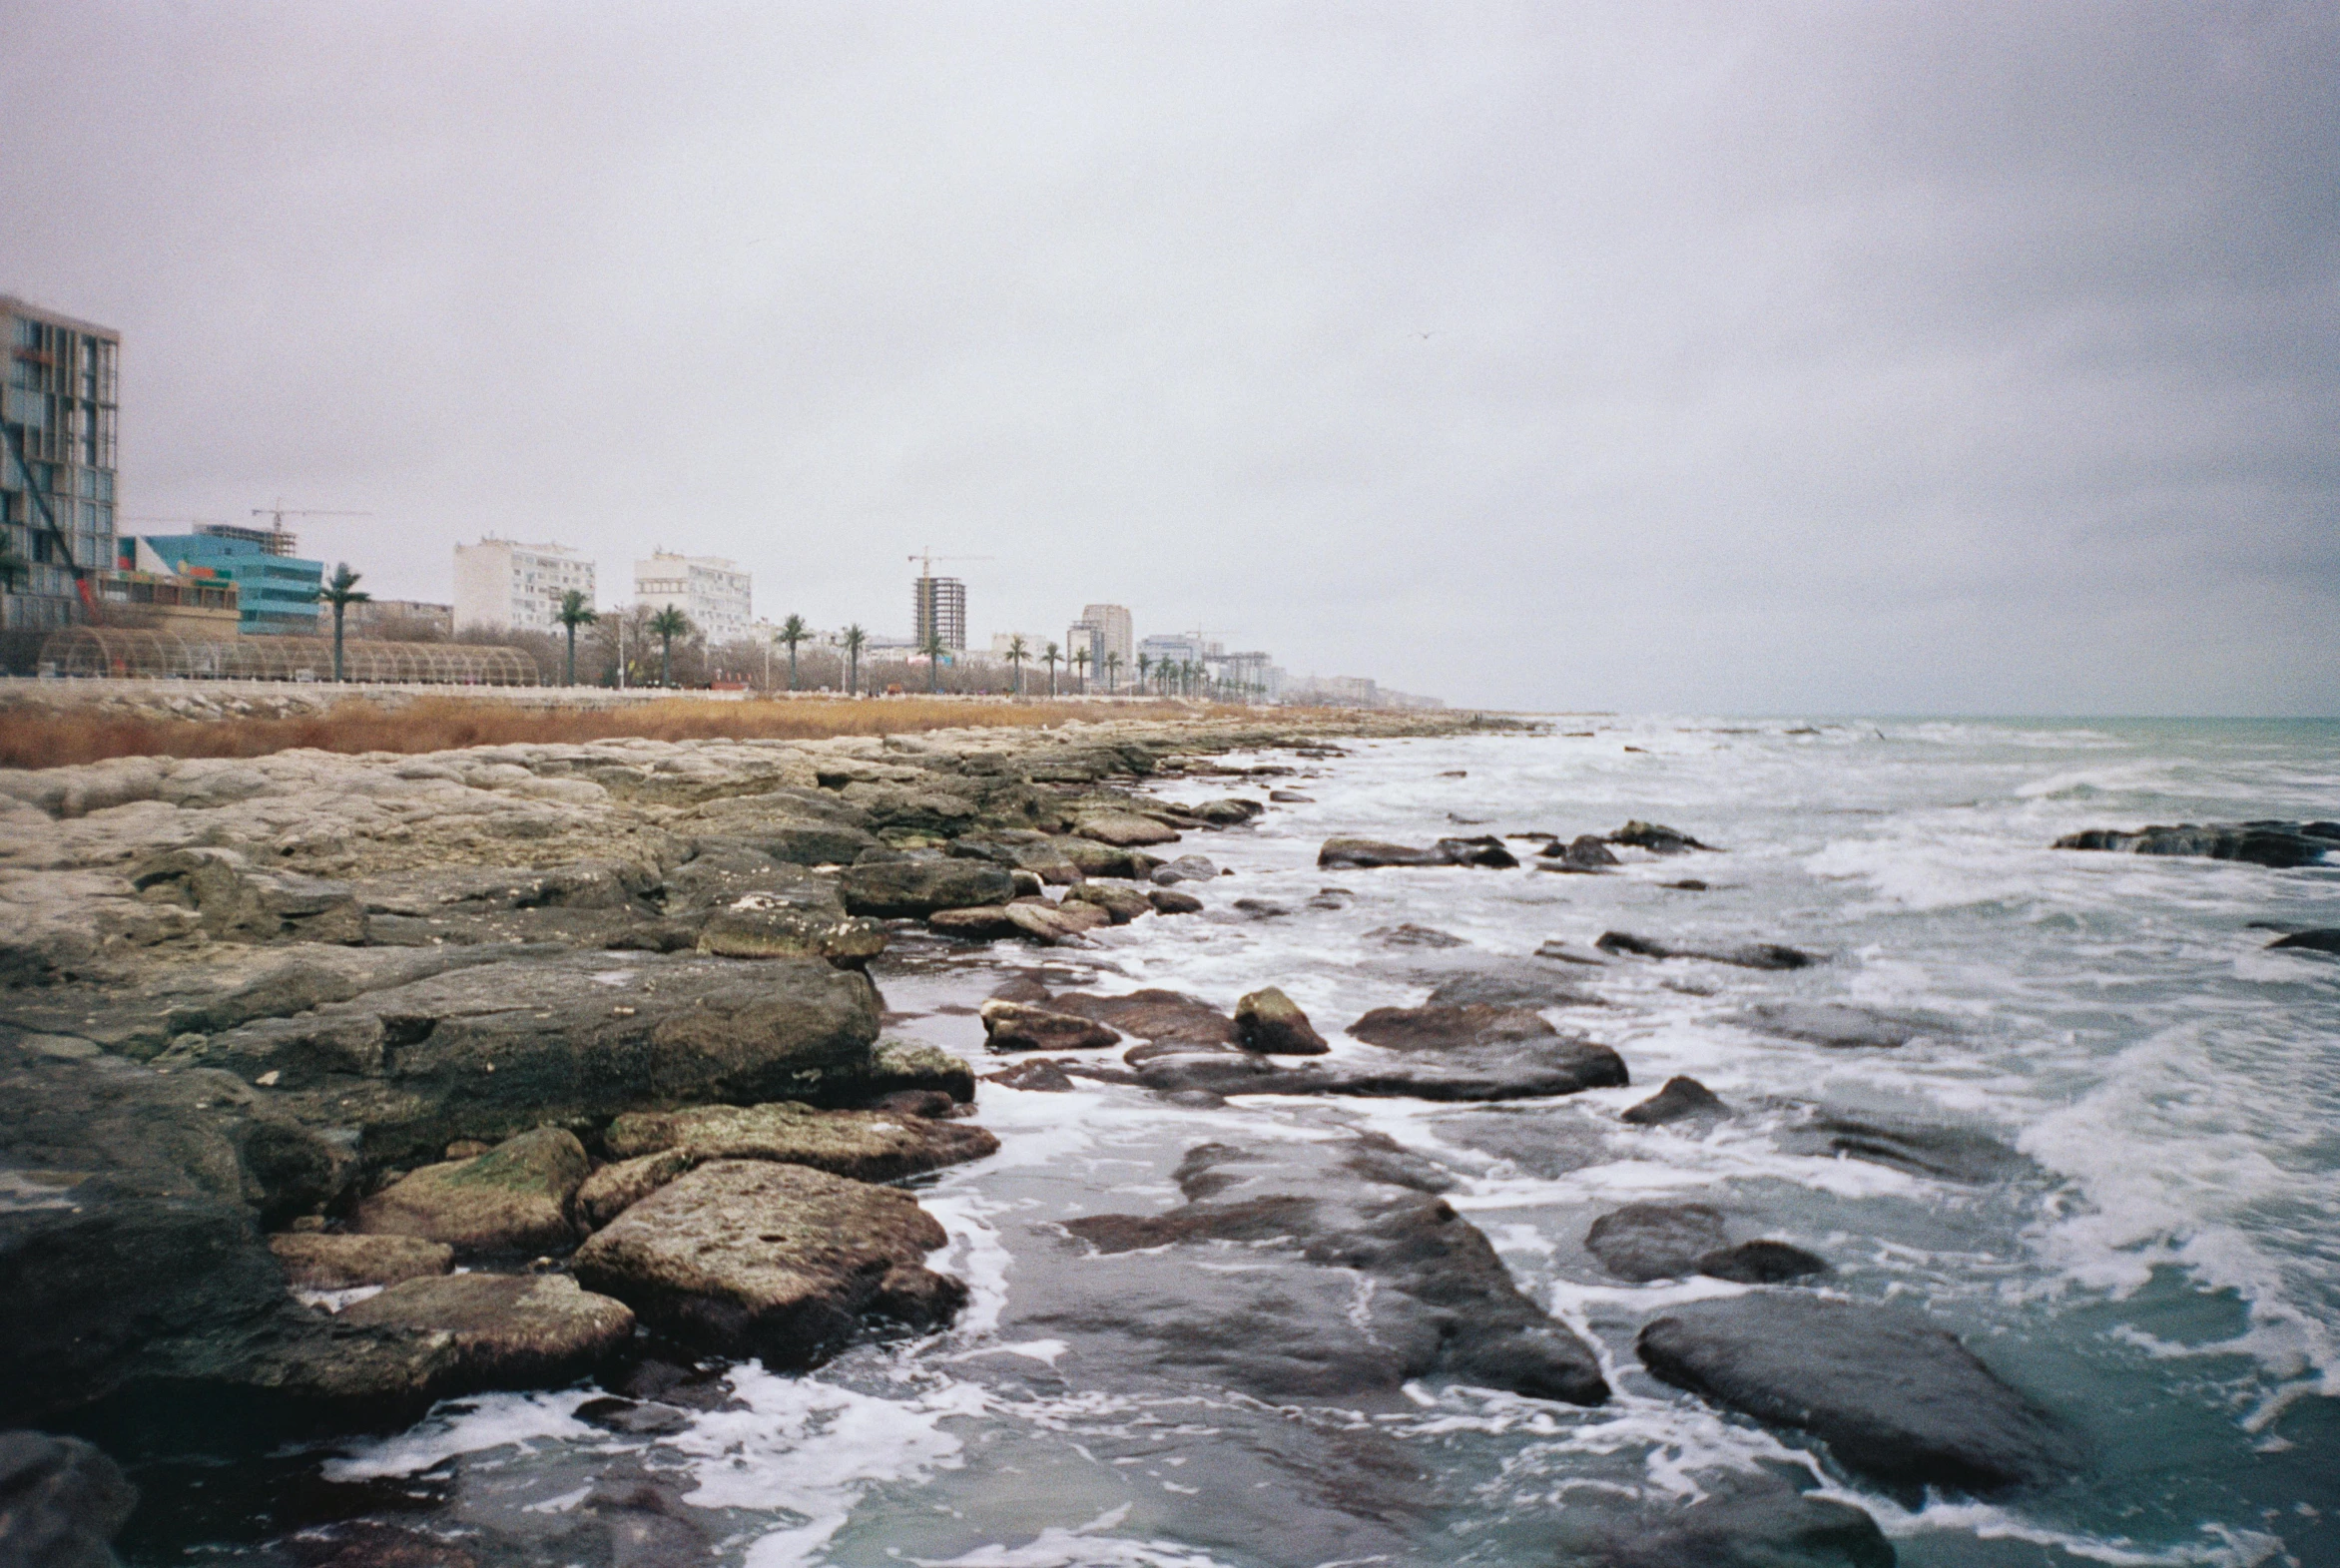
(751,1258)
(1947,1153)
(317,1261)
(1651,1240)
(2274,843)
(2320,940)
(1746,956)
(1443,1028)
(1156,1015)
(1363,854)
(892,888)
(1894,1398)
(1125,830)
(1509,1072)
(867,1145)
(763,926)
(1027,1026)
(513,1197)
(1739,1521)
(509,1331)
(1835,1025)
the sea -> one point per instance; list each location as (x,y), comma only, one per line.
(2157,1262)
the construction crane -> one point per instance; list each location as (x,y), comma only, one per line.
(282,542)
(927,558)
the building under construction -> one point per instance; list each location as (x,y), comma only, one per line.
(939,609)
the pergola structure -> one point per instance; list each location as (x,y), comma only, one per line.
(140,654)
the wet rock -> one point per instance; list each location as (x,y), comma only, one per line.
(2323,940)
(906,1066)
(761,925)
(1124,830)
(618,1186)
(1186,868)
(2267,842)
(1040,1073)
(1560,952)
(1262,909)
(1688,884)
(1894,1398)
(1643,1242)
(1169,901)
(516,1198)
(980,923)
(750,1258)
(1026,987)
(1522,986)
(1411,935)
(1272,1023)
(1734,1522)
(1682,1099)
(1431,1028)
(1030,852)
(509,1331)
(1834,1025)
(317,1261)
(632,1418)
(1023,1026)
(1056,925)
(1102,859)
(1948,1154)
(1761,1262)
(1748,955)
(1585,852)
(919,887)
(1289,1325)
(1537,1143)
(1123,904)
(1655,838)
(61,1503)
(1229,813)
(1517,1071)
(1485,850)
(1165,1018)
(868,1145)
(1291,797)
(1369,853)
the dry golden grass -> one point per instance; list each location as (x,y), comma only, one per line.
(30,739)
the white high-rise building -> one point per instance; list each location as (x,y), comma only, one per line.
(1112,623)
(712,591)
(514,587)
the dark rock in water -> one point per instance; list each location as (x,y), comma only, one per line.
(1561,952)
(1515,1070)
(1834,1025)
(2275,844)
(1680,1100)
(1229,813)
(632,1418)
(1643,1242)
(1038,1073)
(1448,1028)
(61,1503)
(1121,904)
(1291,797)
(509,1331)
(1369,853)
(978,923)
(2315,941)
(1688,884)
(750,1258)
(1186,868)
(1168,1017)
(1023,1026)
(1261,908)
(1272,1023)
(1655,838)
(1750,955)
(1894,1398)
(1020,988)
(919,887)
(1486,851)
(1522,986)
(1740,1521)
(1411,935)
(1761,1262)
(1585,852)
(1539,1142)
(1948,1154)
(1307,1220)
(1168,901)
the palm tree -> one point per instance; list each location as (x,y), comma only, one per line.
(855,637)
(1081,662)
(1049,657)
(1112,668)
(340,590)
(1018,652)
(1145,662)
(14,568)
(669,623)
(573,613)
(791,632)
(934,652)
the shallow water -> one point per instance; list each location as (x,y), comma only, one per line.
(2163,1271)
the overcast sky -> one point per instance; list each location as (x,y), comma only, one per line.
(1947,358)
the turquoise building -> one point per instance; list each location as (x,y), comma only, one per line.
(276,594)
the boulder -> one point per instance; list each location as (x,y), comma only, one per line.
(1158,1016)
(1894,1398)
(1643,1242)
(868,1145)
(1411,935)
(1039,1074)
(516,1198)
(61,1503)
(1525,1071)
(1121,904)
(1291,797)
(1486,851)
(1748,955)
(1227,813)
(1369,854)
(1947,1153)
(978,923)
(751,1258)
(1272,1023)
(761,925)
(2273,843)
(1450,1028)
(1170,902)
(1186,868)
(1762,1262)
(508,1330)
(1585,852)
(1124,830)
(1262,909)
(1834,1025)
(1682,1099)
(1519,985)
(1025,850)
(1055,926)
(618,1186)
(1733,1520)
(1655,838)
(1102,859)
(1021,1026)
(317,1261)
(896,1065)
(894,888)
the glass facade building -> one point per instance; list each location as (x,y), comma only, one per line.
(275,595)
(59,403)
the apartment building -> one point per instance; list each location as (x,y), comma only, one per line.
(1112,625)
(712,591)
(939,606)
(58,407)
(509,586)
